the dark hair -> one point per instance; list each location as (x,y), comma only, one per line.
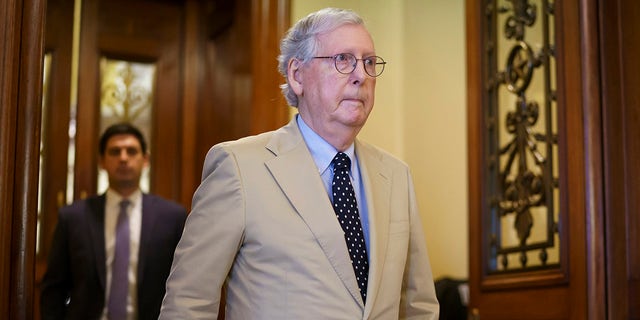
(122,128)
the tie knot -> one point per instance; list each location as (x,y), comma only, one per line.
(341,161)
(124,204)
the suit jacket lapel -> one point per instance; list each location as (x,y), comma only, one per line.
(96,226)
(146,232)
(291,152)
(376,180)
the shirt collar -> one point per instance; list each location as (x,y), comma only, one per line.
(114,197)
(321,151)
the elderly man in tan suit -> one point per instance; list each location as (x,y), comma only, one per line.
(307,222)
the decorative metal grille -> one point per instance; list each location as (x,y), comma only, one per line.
(521,137)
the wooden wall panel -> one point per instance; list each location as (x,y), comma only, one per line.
(239,89)
(630,51)
(620,49)
(270,22)
(192,61)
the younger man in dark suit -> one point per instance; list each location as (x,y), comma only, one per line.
(111,254)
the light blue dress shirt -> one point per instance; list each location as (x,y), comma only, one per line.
(322,153)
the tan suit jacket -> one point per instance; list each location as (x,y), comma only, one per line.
(262,223)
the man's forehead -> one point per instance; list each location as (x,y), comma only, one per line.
(122,140)
(349,38)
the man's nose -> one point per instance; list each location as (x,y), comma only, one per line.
(124,155)
(358,75)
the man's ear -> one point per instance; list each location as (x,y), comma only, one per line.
(294,76)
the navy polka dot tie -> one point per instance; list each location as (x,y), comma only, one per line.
(346,208)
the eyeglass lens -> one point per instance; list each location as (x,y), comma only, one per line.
(346,63)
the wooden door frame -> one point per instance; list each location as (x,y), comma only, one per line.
(579,101)
(55,130)
(22,36)
(584,50)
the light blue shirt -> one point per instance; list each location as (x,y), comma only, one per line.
(322,153)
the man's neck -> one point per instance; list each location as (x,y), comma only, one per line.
(340,137)
(125,192)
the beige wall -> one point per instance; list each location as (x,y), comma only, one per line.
(420,111)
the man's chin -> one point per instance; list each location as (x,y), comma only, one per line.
(125,183)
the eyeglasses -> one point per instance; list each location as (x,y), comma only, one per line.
(346,62)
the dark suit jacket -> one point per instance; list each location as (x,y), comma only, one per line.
(76,266)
